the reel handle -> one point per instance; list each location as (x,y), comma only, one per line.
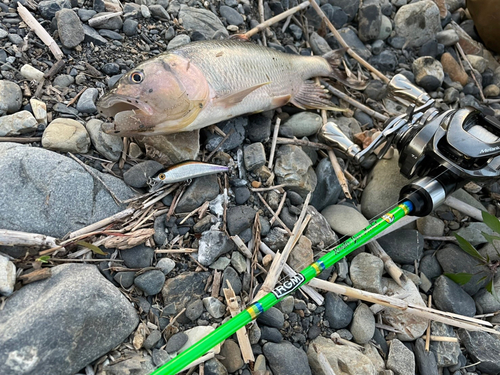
(401,87)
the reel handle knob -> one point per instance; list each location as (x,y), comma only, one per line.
(400,86)
(331,134)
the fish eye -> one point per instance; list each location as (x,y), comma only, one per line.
(137,77)
(161,176)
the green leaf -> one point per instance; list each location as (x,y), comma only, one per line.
(490,287)
(467,247)
(43,259)
(94,248)
(491,221)
(460,278)
(490,238)
(494,291)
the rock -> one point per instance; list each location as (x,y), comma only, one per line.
(166,265)
(363,324)
(232,18)
(478,62)
(202,21)
(295,363)
(214,307)
(271,334)
(150,282)
(66,135)
(65,195)
(85,14)
(349,7)
(196,334)
(31,73)
(184,289)
(318,230)
(213,243)
(113,23)
(254,156)
(344,219)
(194,309)
(214,367)
(404,246)
(303,124)
(448,296)
(125,279)
(272,318)
(231,352)
(86,102)
(239,218)
(140,256)
(63,80)
(109,146)
(491,91)
(11,97)
(428,73)
(369,21)
(417,22)
(351,38)
(130,26)
(335,14)
(446,353)
(259,128)
(401,360)
(318,44)
(486,302)
(337,312)
(158,11)
(152,339)
(294,168)
(328,188)
(241,195)
(139,174)
(451,95)
(176,342)
(49,8)
(178,41)
(101,319)
(343,359)
(453,69)
(92,36)
(18,123)
(70,28)
(385,61)
(430,266)
(425,360)
(385,29)
(430,226)
(301,255)
(238,261)
(366,272)
(454,260)
(7,276)
(483,348)
(230,276)
(447,37)
(412,326)
(173,148)
(202,189)
(237,125)
(378,195)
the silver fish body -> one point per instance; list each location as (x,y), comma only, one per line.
(206,82)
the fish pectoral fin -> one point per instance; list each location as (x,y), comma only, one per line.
(313,96)
(280,101)
(236,97)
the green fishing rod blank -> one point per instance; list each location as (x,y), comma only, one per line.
(189,355)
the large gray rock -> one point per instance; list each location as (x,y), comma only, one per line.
(61,324)
(294,168)
(401,360)
(418,22)
(201,20)
(295,363)
(483,348)
(17,123)
(45,192)
(70,28)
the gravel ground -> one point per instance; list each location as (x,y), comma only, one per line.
(145,294)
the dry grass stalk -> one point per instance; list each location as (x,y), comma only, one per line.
(203,207)
(464,208)
(241,246)
(127,241)
(265,24)
(150,201)
(428,330)
(226,137)
(16,238)
(278,210)
(273,145)
(39,31)
(442,339)
(464,56)
(391,267)
(271,278)
(340,174)
(241,334)
(183,250)
(275,187)
(455,320)
(281,223)
(345,45)
(301,142)
(41,274)
(102,223)
(290,272)
(354,103)
(21,139)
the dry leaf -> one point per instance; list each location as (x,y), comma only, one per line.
(128,240)
(139,336)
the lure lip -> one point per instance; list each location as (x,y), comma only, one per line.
(184,171)
(112,104)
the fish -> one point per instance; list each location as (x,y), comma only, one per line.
(183,171)
(206,82)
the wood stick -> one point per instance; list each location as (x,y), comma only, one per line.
(273,145)
(443,338)
(278,210)
(21,139)
(216,283)
(37,275)
(241,334)
(345,45)
(241,246)
(428,330)
(265,24)
(275,187)
(102,223)
(39,31)
(391,267)
(340,174)
(463,207)
(283,225)
(301,142)
(289,271)
(464,56)
(176,251)
(455,320)
(54,69)
(354,102)
(219,145)
(17,238)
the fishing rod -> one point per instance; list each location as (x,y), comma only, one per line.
(442,150)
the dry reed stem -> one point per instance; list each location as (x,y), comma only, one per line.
(391,267)
(273,145)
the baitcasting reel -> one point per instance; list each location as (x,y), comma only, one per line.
(444,149)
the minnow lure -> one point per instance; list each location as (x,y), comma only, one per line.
(184,171)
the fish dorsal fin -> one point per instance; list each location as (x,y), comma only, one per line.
(236,97)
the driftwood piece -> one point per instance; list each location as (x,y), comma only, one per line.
(16,238)
(41,274)
(391,267)
(464,208)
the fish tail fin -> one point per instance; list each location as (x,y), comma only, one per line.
(334,59)
(313,96)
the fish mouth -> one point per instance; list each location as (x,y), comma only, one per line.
(112,104)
